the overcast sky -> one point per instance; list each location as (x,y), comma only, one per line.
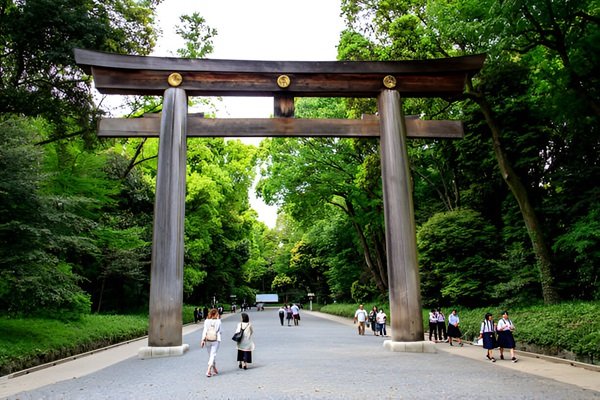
(285,30)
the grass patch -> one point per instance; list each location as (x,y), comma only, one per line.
(28,342)
(569,326)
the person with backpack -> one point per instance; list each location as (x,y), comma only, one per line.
(488,334)
(211,339)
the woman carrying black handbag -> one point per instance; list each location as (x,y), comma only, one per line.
(246,345)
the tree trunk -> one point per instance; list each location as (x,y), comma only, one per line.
(372,266)
(540,247)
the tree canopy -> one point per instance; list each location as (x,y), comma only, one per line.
(507,214)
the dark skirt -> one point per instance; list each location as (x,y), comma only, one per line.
(506,340)
(489,340)
(245,356)
(453,331)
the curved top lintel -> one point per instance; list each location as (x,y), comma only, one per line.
(88,58)
(147,75)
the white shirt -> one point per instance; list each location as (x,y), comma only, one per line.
(487,326)
(505,325)
(381,317)
(433,317)
(360,315)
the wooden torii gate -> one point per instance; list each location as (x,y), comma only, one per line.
(176,79)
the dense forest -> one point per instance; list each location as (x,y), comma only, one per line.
(509,214)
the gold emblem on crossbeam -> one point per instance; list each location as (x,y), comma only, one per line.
(283,81)
(389,82)
(175,79)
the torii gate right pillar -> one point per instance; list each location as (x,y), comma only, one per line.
(401,244)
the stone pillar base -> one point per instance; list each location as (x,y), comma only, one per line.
(156,352)
(410,347)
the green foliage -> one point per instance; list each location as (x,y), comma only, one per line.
(31,231)
(581,244)
(455,253)
(39,77)
(571,326)
(29,342)
(361,292)
(198,36)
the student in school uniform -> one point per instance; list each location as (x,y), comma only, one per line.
(488,334)
(433,324)
(453,329)
(441,325)
(506,340)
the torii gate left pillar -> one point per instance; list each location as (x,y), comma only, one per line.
(166,276)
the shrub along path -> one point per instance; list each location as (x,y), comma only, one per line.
(323,358)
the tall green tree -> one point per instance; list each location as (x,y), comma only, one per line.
(37,38)
(33,276)
(538,131)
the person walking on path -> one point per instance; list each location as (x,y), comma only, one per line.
(296,314)
(453,329)
(381,322)
(211,339)
(246,345)
(196,315)
(360,316)
(288,315)
(433,324)
(505,336)
(281,314)
(373,321)
(488,334)
(441,325)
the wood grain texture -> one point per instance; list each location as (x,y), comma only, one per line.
(278,127)
(125,74)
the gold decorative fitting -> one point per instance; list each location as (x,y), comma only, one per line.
(283,81)
(389,82)
(175,79)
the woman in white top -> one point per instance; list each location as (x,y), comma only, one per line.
(246,345)
(505,336)
(488,334)
(211,338)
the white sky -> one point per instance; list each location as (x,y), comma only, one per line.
(284,30)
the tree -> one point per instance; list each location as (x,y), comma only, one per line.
(456,253)
(37,37)
(32,275)
(535,50)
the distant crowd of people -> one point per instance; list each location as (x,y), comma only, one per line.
(289,313)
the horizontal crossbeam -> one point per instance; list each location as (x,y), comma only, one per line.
(278,127)
(126,74)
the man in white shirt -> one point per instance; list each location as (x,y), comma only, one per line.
(296,314)
(360,316)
